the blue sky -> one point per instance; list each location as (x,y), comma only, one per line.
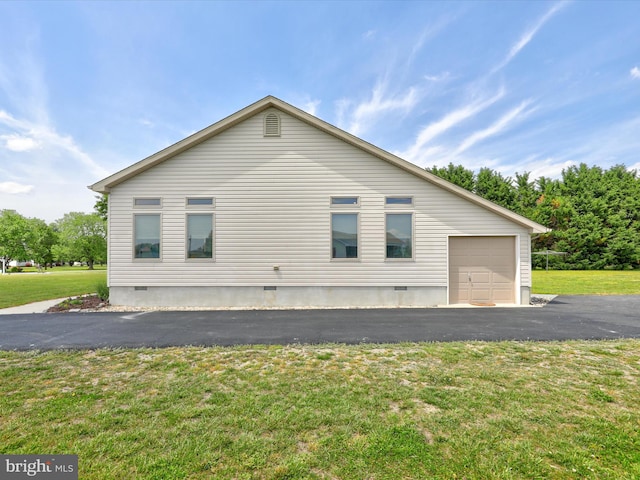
(88,88)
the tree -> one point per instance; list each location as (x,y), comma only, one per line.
(593,214)
(604,230)
(25,238)
(496,188)
(101,206)
(42,239)
(14,236)
(526,195)
(457,175)
(82,237)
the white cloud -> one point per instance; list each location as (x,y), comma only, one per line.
(528,35)
(498,126)
(18,143)
(611,144)
(550,168)
(32,134)
(380,103)
(603,146)
(635,72)
(342,108)
(429,32)
(13,188)
(435,155)
(369,34)
(48,176)
(22,78)
(358,117)
(416,152)
(10,121)
(438,78)
(311,106)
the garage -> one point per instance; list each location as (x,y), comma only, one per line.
(482,270)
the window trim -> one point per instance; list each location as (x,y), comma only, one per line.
(213,238)
(149,206)
(358,251)
(200,205)
(413,237)
(344,205)
(399,205)
(160,239)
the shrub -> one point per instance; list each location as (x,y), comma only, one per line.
(71,303)
(103,291)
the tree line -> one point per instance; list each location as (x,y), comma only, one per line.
(593,213)
(76,237)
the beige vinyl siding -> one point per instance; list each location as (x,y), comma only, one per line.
(272,207)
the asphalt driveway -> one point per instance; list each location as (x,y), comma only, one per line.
(566,317)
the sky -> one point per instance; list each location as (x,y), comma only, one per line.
(89,88)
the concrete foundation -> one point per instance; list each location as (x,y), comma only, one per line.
(525,295)
(278,297)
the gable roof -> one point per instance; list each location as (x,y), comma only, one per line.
(105,185)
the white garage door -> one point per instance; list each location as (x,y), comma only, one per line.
(482,270)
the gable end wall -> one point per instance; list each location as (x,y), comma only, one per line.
(272,208)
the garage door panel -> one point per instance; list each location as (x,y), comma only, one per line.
(480,277)
(463,297)
(480,295)
(501,277)
(458,277)
(503,261)
(482,269)
(477,260)
(502,295)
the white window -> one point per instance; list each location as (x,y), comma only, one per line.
(399,232)
(200,235)
(345,201)
(403,201)
(344,235)
(147,202)
(146,236)
(200,202)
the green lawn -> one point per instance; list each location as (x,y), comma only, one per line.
(413,411)
(586,282)
(22,288)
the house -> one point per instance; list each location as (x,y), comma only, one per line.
(272,207)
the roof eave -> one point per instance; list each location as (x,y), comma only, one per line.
(534,227)
(105,185)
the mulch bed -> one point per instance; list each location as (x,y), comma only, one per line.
(87,302)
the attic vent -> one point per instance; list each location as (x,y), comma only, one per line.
(271,125)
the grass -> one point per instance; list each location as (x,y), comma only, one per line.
(457,410)
(586,282)
(452,410)
(22,288)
